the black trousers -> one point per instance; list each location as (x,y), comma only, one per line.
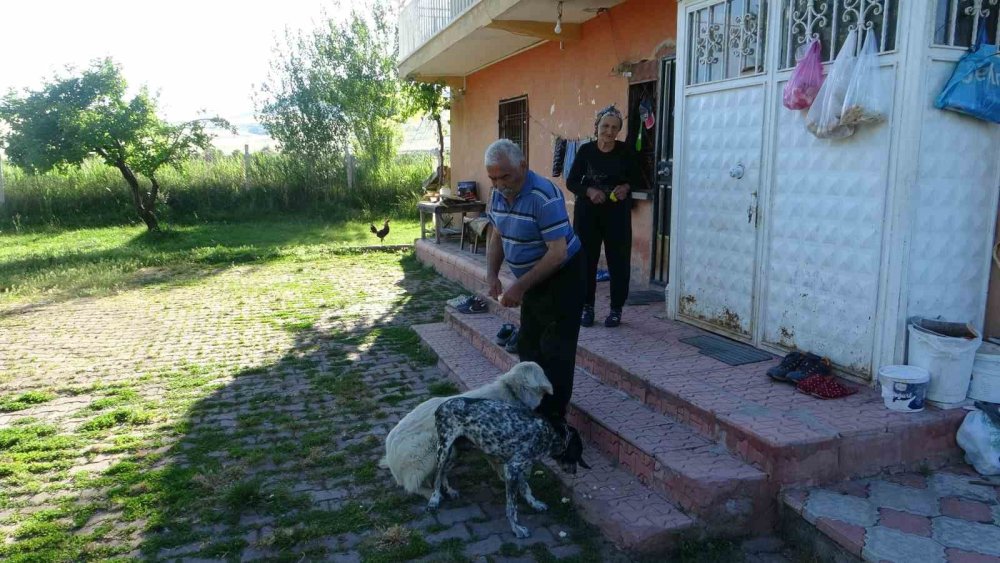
(610,224)
(550,327)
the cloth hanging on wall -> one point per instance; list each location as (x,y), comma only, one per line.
(571,148)
(558,156)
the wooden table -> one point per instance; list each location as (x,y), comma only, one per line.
(437,209)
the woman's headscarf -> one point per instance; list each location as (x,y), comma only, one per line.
(610,110)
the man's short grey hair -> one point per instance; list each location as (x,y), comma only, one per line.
(504,150)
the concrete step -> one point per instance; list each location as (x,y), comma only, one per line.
(727,494)
(631,514)
(794,438)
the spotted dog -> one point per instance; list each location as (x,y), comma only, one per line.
(511,433)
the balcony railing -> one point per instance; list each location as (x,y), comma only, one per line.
(422,19)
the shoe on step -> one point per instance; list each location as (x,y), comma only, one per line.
(613,319)
(788,364)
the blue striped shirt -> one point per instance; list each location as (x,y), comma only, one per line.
(538,215)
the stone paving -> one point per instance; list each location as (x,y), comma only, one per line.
(247,413)
(942,516)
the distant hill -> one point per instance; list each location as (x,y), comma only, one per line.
(419,135)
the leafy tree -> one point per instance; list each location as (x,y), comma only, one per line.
(73,118)
(430,99)
(335,86)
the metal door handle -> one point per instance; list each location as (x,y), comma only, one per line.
(737,171)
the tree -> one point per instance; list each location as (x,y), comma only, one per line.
(73,118)
(430,99)
(336,85)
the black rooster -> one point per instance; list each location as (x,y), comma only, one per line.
(381,233)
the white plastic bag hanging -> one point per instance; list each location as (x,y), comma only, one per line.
(865,100)
(823,119)
(980,439)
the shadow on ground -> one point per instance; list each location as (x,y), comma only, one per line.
(280,461)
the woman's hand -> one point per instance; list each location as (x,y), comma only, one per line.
(595,195)
(621,191)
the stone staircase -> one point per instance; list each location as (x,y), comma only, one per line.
(684,446)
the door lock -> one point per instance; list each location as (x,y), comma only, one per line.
(737,171)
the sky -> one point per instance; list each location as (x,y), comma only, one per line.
(198,54)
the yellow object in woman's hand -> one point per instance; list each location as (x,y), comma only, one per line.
(614,198)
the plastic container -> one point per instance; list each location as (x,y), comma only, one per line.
(948,359)
(904,388)
(985,384)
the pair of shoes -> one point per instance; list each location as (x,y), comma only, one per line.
(587,318)
(797,366)
(506,332)
(613,319)
(473,304)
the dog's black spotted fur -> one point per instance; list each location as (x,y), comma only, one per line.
(511,433)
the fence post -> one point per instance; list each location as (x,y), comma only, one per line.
(246,167)
(3,197)
(349,161)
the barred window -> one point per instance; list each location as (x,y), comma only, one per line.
(956,21)
(513,119)
(830,21)
(726,40)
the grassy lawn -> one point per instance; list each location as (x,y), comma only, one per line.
(222,391)
(97,261)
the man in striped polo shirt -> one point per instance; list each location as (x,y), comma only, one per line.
(531,230)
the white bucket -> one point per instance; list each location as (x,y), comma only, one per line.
(904,388)
(985,385)
(949,361)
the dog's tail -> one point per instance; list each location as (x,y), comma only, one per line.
(384,462)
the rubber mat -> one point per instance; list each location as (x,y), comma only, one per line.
(727,351)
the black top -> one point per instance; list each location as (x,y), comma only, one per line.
(603,170)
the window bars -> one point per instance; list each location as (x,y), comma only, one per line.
(513,119)
(831,21)
(726,40)
(956,21)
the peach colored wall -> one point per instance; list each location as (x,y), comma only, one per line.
(565,86)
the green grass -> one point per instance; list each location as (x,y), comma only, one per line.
(99,261)
(25,400)
(95,194)
(118,417)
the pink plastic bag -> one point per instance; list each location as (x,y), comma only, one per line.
(801,89)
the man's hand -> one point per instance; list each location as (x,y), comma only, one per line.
(596,196)
(513,296)
(495,287)
(621,191)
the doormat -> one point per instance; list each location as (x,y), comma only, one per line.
(645,297)
(727,351)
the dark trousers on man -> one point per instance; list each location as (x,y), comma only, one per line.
(550,327)
(610,224)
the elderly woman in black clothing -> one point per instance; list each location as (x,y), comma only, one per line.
(603,175)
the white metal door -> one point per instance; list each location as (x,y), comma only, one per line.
(779,235)
(720,137)
(719,187)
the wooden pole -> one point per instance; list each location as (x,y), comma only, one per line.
(3,196)
(350,169)
(246,167)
